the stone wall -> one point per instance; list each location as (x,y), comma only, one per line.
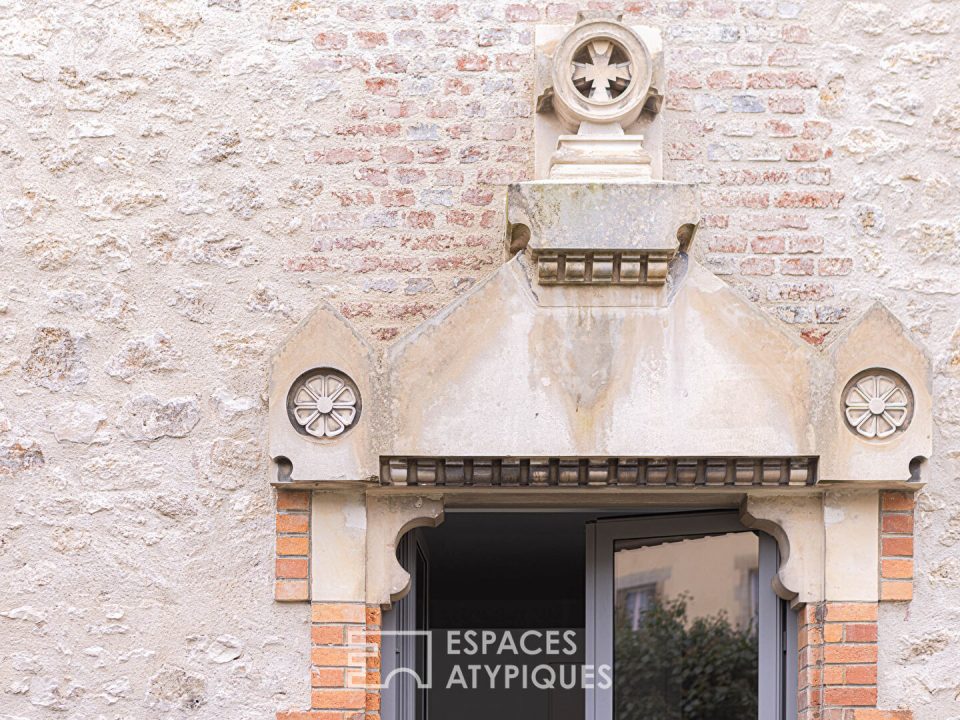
(182,181)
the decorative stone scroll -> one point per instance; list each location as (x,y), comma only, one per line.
(797,525)
(388,520)
(598,472)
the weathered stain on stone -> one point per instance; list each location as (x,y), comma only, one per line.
(147,417)
(174,687)
(585,370)
(56,360)
(146,354)
(20,455)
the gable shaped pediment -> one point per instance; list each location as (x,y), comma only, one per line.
(501,374)
(505,373)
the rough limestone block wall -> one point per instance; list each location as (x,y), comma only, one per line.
(182,180)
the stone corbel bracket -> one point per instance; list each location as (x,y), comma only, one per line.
(602,234)
(796,523)
(388,520)
(828,543)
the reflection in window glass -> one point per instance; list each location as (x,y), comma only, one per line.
(685,631)
(638,601)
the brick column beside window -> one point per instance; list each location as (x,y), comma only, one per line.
(293,546)
(374,619)
(345,660)
(896,545)
(838,664)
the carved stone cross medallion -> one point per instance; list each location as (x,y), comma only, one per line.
(601,70)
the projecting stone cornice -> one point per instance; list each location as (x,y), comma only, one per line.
(705,374)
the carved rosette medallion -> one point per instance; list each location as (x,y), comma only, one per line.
(323,403)
(877,403)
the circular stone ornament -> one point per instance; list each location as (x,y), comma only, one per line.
(601,73)
(877,403)
(323,403)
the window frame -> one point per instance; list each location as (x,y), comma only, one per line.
(403,698)
(777,662)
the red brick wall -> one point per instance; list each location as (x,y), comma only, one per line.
(437,117)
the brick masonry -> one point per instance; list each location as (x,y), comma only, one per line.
(345,661)
(896,545)
(429,157)
(838,664)
(837,645)
(292,564)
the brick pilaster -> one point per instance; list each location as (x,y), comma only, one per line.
(810,663)
(838,663)
(374,620)
(337,635)
(345,663)
(292,566)
(850,655)
(896,545)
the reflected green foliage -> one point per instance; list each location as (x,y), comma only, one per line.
(673,669)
